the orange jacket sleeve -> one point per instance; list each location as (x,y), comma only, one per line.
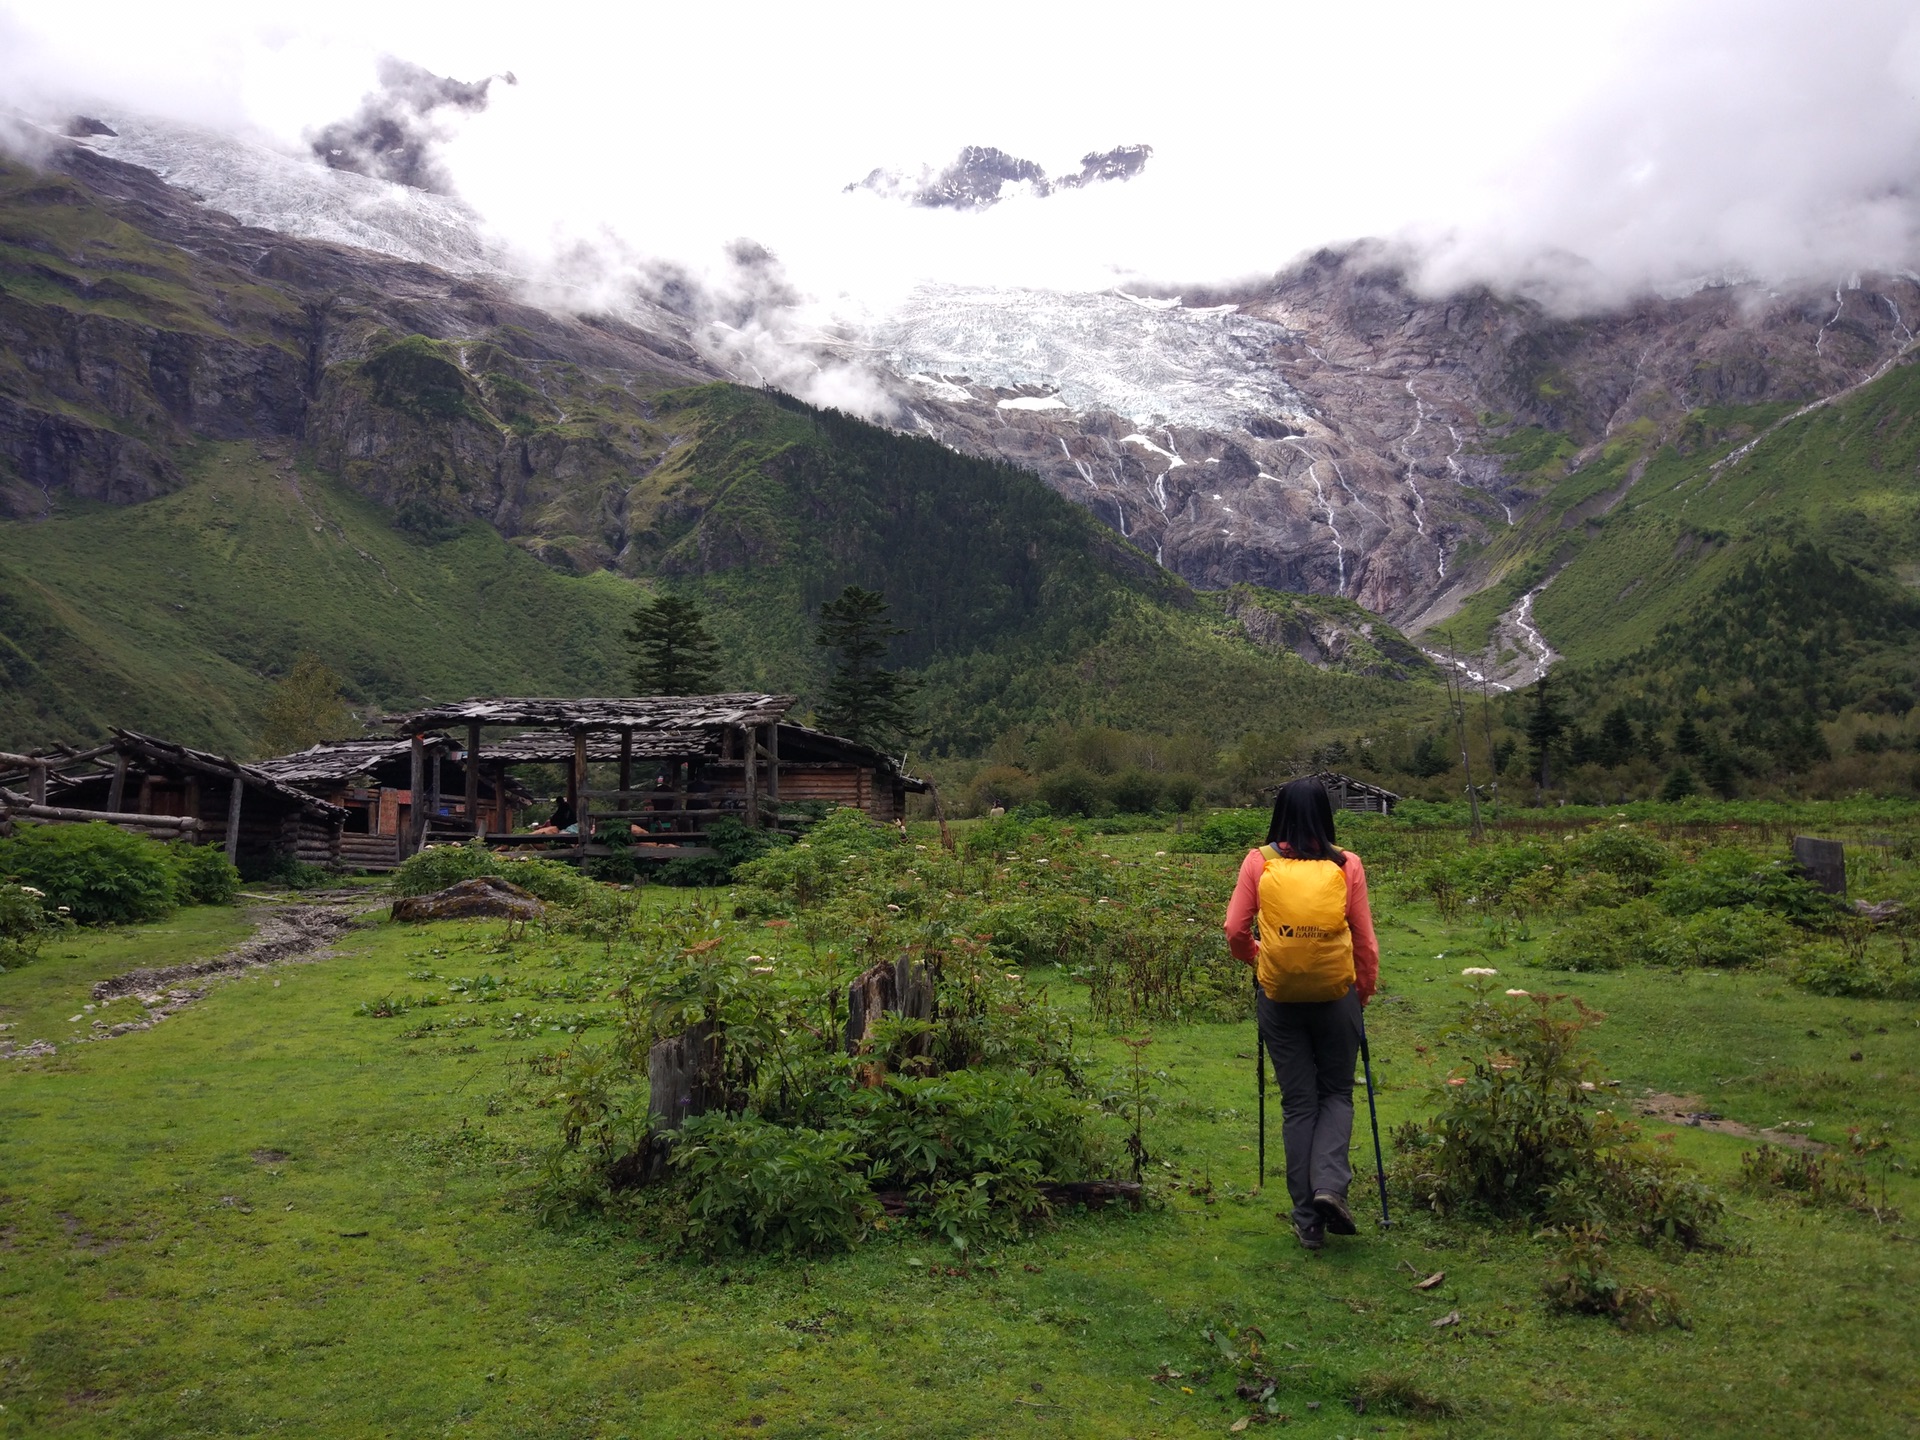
(1366,946)
(1245,904)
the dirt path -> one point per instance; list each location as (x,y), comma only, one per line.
(284,934)
(1692,1111)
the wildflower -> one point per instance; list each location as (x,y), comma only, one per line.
(1479,970)
(29,890)
(1043,862)
(1588,1085)
(752,958)
(1101,901)
(763,969)
(894,908)
(1158,853)
(1522,994)
(64,910)
(919,847)
(1013,976)
(1457,1080)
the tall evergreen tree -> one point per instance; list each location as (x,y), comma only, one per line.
(864,700)
(674,653)
(1544,728)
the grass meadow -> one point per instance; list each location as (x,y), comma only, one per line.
(276,1214)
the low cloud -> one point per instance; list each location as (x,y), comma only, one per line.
(394,133)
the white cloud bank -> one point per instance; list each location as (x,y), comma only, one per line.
(1590,150)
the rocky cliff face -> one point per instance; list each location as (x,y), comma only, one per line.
(135,321)
(1333,432)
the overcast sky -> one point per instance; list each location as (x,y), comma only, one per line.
(1650,141)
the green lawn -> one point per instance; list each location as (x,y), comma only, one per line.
(271,1214)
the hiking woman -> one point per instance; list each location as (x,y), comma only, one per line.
(1315,963)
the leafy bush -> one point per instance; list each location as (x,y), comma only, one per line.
(1518,1136)
(1727,876)
(1853,973)
(1072,791)
(1488,877)
(204,876)
(1136,792)
(438,866)
(103,876)
(1610,939)
(1633,859)
(1811,1177)
(834,855)
(281,869)
(1228,832)
(1726,939)
(752,1185)
(1584,1283)
(26,920)
(735,843)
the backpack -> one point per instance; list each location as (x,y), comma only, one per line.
(1306,948)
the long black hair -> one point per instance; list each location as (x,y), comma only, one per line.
(1303,821)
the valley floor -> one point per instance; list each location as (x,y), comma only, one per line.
(272,1214)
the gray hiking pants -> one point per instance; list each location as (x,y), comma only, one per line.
(1313,1045)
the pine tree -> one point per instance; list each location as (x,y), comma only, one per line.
(674,653)
(305,708)
(864,701)
(1544,727)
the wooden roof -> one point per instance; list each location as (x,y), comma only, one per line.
(555,747)
(342,760)
(647,712)
(1333,779)
(181,757)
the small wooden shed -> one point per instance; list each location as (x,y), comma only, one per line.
(681,763)
(143,782)
(371,780)
(1358,796)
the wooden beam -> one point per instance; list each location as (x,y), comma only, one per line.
(752,748)
(577,784)
(474,817)
(237,790)
(773,765)
(626,757)
(416,785)
(503,817)
(117,792)
(37,782)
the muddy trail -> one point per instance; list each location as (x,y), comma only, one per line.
(285,934)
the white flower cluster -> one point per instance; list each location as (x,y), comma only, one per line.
(1478,970)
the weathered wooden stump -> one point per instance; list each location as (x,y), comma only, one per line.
(683,1076)
(1824,862)
(904,988)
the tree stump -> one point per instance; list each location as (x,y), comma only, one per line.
(683,1076)
(904,989)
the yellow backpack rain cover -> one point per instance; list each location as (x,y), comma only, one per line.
(1306,949)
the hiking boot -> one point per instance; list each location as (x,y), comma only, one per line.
(1334,1213)
(1312,1237)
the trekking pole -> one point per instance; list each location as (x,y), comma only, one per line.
(1260,1080)
(1379,1162)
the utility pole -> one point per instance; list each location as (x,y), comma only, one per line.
(1486,725)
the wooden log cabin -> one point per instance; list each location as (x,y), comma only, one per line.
(142,782)
(1356,796)
(372,780)
(678,764)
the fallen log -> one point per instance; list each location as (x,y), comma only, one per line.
(18,804)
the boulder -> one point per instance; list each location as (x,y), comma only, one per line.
(486,897)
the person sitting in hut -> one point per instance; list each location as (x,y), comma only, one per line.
(561,822)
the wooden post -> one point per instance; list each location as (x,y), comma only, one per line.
(37,784)
(433,793)
(233,818)
(577,784)
(1824,862)
(117,792)
(503,817)
(475,820)
(416,788)
(626,764)
(773,767)
(752,745)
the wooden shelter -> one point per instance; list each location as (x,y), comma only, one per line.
(709,757)
(1347,793)
(371,780)
(142,782)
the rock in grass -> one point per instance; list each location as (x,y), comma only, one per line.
(484,897)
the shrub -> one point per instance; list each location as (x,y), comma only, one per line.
(1584,1283)
(1811,1177)
(834,855)
(735,844)
(1003,786)
(1727,876)
(1517,1135)
(751,1185)
(204,876)
(438,866)
(551,880)
(1072,791)
(25,923)
(103,876)
(280,869)
(1228,832)
(1609,939)
(1135,792)
(1853,974)
(1635,860)
(1726,939)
